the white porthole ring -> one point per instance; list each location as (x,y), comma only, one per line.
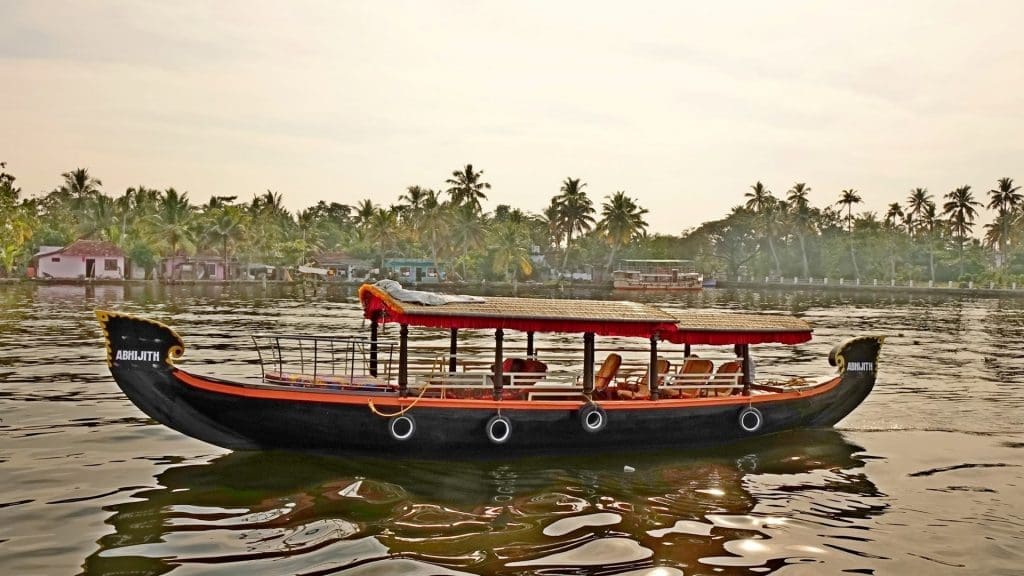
(750,419)
(402,427)
(499,429)
(593,418)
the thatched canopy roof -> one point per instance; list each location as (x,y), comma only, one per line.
(607,318)
(602,317)
(707,327)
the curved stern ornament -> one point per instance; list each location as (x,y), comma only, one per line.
(138,343)
(857,355)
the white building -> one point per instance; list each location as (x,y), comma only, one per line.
(82,259)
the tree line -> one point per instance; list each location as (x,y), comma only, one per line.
(918,239)
(765,235)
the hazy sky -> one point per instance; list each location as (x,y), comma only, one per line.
(681,105)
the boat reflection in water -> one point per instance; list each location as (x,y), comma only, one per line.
(278,513)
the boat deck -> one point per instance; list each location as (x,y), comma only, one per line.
(525,386)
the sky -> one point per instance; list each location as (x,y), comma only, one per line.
(682,105)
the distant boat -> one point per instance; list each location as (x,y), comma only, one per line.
(657,275)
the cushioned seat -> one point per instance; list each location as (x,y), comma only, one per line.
(694,371)
(609,369)
(728,373)
(641,389)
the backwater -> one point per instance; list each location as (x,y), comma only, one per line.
(926,477)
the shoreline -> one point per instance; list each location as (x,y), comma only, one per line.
(822,285)
(826,286)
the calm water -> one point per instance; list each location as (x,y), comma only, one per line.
(927,477)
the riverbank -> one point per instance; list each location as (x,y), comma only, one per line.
(596,289)
(946,289)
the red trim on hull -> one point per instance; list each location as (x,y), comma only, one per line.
(394,402)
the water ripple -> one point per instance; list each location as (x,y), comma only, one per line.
(922,477)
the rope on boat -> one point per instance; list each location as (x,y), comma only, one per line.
(403,410)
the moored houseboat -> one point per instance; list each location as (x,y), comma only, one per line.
(372,395)
(657,275)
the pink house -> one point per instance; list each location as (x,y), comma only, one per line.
(80,260)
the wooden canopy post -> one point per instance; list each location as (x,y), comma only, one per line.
(499,336)
(686,350)
(373,343)
(652,371)
(588,363)
(403,360)
(747,368)
(453,350)
(529,344)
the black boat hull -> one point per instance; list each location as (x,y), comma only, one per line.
(239,417)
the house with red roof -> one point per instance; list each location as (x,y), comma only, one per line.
(80,260)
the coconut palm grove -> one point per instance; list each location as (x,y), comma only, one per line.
(929,235)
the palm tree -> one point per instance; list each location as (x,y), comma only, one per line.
(412,199)
(269,227)
(433,223)
(17,222)
(216,202)
(226,228)
(800,212)
(510,243)
(80,185)
(917,204)
(892,221)
(467,187)
(96,217)
(382,231)
(137,204)
(554,225)
(77,190)
(171,225)
(332,222)
(468,233)
(764,205)
(622,221)
(849,198)
(575,212)
(960,208)
(6,178)
(310,240)
(270,206)
(9,194)
(994,232)
(1005,198)
(894,215)
(365,210)
(931,224)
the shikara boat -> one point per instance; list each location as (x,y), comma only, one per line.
(379,396)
